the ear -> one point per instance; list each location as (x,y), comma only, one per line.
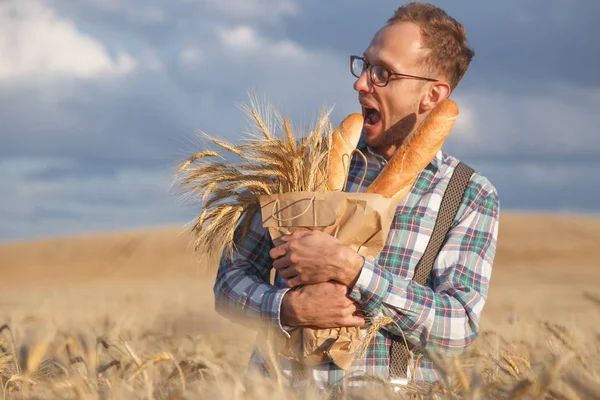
(434,94)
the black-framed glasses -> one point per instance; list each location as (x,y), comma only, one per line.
(380,76)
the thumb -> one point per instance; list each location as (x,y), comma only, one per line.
(354,321)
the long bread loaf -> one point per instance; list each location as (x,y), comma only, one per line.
(416,153)
(344,140)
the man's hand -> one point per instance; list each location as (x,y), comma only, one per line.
(309,257)
(323,305)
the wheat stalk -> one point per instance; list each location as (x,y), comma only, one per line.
(560,333)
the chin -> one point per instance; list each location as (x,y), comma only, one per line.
(374,138)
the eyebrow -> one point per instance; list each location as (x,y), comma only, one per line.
(380,62)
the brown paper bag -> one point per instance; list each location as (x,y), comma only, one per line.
(358,220)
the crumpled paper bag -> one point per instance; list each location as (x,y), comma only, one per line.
(358,220)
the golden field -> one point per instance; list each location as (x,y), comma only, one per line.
(130,315)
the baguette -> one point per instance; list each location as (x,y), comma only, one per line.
(344,140)
(400,173)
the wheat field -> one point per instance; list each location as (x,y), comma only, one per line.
(130,315)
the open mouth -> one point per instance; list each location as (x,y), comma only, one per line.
(371,116)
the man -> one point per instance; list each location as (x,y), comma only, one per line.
(412,64)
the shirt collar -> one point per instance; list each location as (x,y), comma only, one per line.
(435,164)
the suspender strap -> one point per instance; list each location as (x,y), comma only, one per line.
(399,354)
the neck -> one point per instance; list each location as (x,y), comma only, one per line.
(396,135)
(399,133)
(388,150)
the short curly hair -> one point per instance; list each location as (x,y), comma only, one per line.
(445,38)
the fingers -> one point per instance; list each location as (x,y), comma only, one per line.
(353,321)
(324,322)
(325,305)
(349,310)
(283,249)
(286,274)
(296,281)
(278,251)
(352,316)
(340,289)
(282,263)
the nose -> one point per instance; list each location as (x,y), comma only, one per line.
(362,83)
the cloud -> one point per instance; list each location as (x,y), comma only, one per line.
(35,206)
(520,46)
(543,185)
(252,10)
(560,123)
(141,119)
(133,11)
(35,43)
(245,40)
(524,46)
(136,78)
(191,56)
(297,79)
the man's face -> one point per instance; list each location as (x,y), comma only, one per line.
(391,111)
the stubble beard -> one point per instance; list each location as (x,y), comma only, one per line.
(402,130)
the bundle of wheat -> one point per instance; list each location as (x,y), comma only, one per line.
(272,159)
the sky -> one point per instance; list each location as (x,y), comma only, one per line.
(101,99)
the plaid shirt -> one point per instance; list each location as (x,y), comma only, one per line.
(442,316)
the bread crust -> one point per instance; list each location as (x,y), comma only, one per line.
(398,176)
(344,140)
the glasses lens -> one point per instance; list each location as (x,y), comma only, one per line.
(380,75)
(357,67)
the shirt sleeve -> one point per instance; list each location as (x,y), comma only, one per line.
(242,290)
(443,318)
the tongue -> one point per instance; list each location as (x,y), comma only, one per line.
(373,118)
